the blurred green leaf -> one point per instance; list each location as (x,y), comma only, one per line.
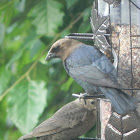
(16,56)
(64,33)
(87,14)
(66,86)
(35,48)
(47,16)
(9,13)
(2,32)
(3,2)
(70,3)
(39,72)
(28,42)
(3,115)
(21,5)
(5,76)
(84,28)
(76,88)
(26,103)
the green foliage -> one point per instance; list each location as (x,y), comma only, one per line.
(5,76)
(31,101)
(71,3)
(2,32)
(47,16)
(35,89)
(66,86)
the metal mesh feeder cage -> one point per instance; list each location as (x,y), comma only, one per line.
(125,38)
(124,30)
(116,32)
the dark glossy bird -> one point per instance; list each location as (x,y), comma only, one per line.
(71,121)
(91,69)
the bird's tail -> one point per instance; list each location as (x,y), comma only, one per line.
(122,102)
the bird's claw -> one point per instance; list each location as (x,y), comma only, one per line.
(81,96)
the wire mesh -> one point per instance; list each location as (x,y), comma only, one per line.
(134,40)
(117,30)
(125,38)
(131,45)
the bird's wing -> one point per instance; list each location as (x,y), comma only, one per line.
(60,121)
(88,64)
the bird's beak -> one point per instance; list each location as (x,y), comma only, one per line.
(49,56)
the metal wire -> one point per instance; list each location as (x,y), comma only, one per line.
(135,4)
(131,47)
(132,89)
(98,123)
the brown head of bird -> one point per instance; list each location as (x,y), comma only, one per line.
(62,48)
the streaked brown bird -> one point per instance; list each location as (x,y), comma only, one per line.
(91,69)
(71,121)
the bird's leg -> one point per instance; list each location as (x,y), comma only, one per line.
(81,96)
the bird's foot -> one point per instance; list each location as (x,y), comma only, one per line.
(81,96)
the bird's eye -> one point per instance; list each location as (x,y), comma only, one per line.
(55,49)
(92,102)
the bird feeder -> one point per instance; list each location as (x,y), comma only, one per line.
(124,30)
(116,27)
(125,38)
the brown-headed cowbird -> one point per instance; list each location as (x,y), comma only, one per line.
(91,69)
(71,121)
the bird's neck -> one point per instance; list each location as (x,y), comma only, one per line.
(75,44)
